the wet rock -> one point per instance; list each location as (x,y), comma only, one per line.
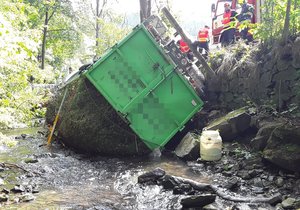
(1,169)
(35,189)
(257,182)
(283,148)
(289,203)
(198,200)
(210,207)
(31,160)
(24,136)
(227,173)
(188,149)
(258,190)
(151,177)
(182,189)
(169,182)
(6,191)
(3,197)
(244,175)
(27,197)
(279,182)
(275,199)
(18,189)
(232,184)
(231,125)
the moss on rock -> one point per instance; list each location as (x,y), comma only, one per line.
(89,123)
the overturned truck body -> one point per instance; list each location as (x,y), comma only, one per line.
(134,99)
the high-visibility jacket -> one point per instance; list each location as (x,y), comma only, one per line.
(203,35)
(183,46)
(229,20)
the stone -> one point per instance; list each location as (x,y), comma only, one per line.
(6,191)
(168,182)
(27,197)
(1,181)
(210,207)
(31,160)
(288,203)
(244,175)
(258,190)
(231,125)
(263,134)
(232,184)
(257,182)
(198,200)
(3,197)
(283,147)
(151,177)
(279,182)
(188,148)
(18,189)
(182,189)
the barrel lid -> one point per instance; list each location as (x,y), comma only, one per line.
(210,133)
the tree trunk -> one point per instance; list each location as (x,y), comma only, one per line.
(44,38)
(145,9)
(286,28)
(99,12)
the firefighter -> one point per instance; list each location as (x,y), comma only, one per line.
(203,40)
(229,24)
(184,48)
(245,18)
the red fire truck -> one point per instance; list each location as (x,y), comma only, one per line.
(217,10)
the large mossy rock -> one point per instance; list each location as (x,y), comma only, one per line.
(89,123)
(283,147)
(232,124)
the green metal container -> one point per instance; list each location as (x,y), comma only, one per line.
(142,84)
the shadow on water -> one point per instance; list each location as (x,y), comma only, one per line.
(67,180)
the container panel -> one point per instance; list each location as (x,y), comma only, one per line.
(140,82)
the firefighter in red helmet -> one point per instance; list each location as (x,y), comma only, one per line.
(229,24)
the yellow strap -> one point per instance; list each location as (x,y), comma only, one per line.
(56,118)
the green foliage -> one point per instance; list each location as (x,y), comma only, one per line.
(273,16)
(18,50)
(110,33)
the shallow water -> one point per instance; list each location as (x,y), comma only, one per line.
(72,181)
(67,180)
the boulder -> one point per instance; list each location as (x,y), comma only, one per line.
(283,147)
(262,136)
(151,177)
(188,149)
(232,124)
(198,200)
(89,124)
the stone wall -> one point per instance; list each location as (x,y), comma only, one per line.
(264,76)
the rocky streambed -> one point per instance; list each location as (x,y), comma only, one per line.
(35,176)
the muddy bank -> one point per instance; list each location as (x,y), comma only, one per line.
(89,124)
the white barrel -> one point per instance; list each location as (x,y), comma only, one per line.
(210,145)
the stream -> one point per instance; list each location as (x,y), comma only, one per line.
(59,178)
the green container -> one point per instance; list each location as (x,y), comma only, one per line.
(142,84)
